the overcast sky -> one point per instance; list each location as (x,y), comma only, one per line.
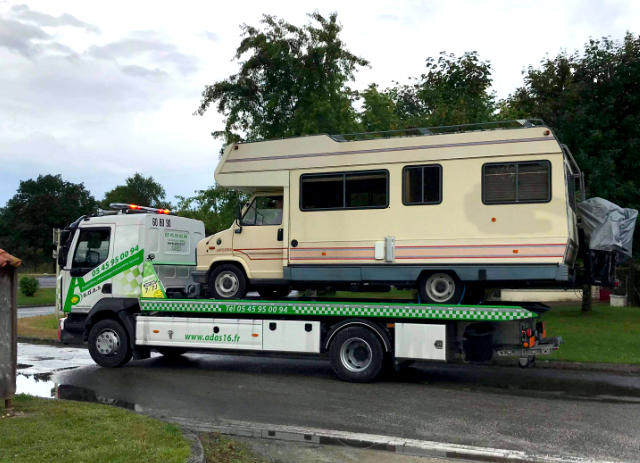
(96,91)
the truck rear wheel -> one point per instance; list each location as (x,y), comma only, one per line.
(109,344)
(356,355)
(227,282)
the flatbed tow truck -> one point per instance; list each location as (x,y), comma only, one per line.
(126,284)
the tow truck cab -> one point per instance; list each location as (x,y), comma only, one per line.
(109,260)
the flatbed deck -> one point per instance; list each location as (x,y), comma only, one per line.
(304,308)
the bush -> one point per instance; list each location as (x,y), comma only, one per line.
(28,286)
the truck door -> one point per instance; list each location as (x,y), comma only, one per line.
(259,240)
(81,279)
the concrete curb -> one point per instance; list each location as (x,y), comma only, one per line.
(392,444)
(619,368)
(49,342)
(197,451)
(622,368)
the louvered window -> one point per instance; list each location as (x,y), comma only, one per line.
(516,182)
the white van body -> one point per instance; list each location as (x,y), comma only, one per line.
(460,218)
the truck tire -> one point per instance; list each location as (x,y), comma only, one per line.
(109,344)
(273,292)
(440,288)
(356,355)
(227,282)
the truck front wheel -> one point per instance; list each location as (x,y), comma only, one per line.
(109,344)
(356,355)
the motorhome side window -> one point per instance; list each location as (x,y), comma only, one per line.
(422,184)
(92,248)
(264,210)
(516,182)
(344,190)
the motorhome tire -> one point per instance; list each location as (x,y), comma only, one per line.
(109,344)
(274,292)
(227,281)
(440,288)
(356,355)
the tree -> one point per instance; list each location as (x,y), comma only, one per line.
(144,191)
(379,110)
(38,206)
(216,207)
(592,101)
(292,81)
(454,90)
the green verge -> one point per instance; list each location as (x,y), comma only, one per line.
(42,297)
(607,334)
(41,327)
(72,432)
(221,449)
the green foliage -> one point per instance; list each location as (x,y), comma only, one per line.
(140,190)
(592,100)
(39,205)
(42,297)
(379,110)
(292,81)
(454,90)
(216,207)
(28,286)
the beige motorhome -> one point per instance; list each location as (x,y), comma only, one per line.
(448,212)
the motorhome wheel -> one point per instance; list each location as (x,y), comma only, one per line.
(227,282)
(440,288)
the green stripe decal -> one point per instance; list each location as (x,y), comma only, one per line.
(81,285)
(339,309)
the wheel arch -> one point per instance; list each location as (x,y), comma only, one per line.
(232,261)
(119,309)
(379,331)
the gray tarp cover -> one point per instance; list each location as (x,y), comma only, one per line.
(608,226)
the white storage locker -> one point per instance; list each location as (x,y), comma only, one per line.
(291,336)
(421,341)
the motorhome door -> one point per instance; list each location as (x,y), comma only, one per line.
(260,238)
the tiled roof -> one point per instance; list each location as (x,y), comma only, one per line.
(8,259)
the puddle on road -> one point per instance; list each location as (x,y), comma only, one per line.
(43,386)
(30,384)
(37,367)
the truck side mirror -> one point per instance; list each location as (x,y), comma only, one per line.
(238,218)
(62,256)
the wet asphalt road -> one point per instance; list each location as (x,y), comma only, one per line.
(567,413)
(35,311)
(47,282)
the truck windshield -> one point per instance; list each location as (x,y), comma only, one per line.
(264,210)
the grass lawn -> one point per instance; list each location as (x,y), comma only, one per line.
(608,334)
(42,327)
(44,296)
(73,432)
(221,449)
